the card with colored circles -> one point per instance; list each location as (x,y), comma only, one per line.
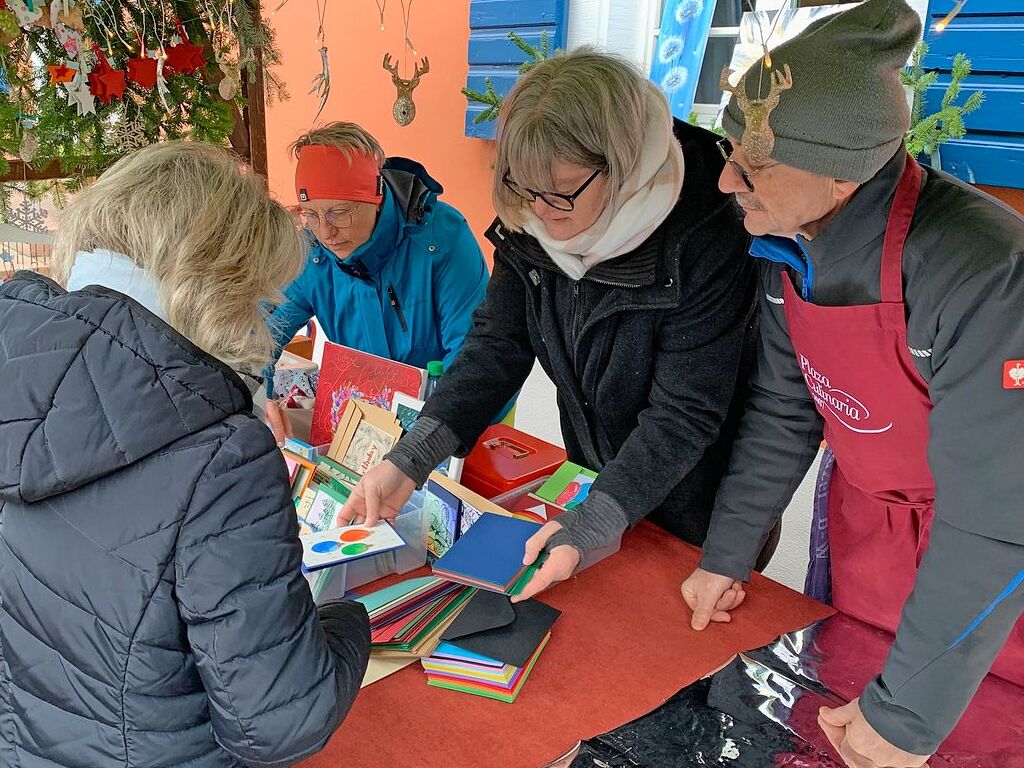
(352,542)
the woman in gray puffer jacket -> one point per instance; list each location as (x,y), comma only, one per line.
(152,608)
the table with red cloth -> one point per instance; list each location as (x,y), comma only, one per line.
(622,646)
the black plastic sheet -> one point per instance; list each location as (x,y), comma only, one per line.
(762,709)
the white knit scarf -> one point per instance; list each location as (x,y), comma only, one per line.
(644,202)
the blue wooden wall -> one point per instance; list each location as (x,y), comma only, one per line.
(493,55)
(991,34)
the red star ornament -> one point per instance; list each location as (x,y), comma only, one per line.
(61,73)
(142,71)
(106,83)
(184,58)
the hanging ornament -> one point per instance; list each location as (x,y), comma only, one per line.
(128,134)
(29,146)
(61,73)
(161,80)
(45,20)
(68,37)
(78,90)
(72,17)
(142,71)
(26,13)
(105,82)
(404,109)
(322,82)
(182,56)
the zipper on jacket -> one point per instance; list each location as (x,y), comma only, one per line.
(393,300)
(575,319)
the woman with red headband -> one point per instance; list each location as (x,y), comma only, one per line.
(392,270)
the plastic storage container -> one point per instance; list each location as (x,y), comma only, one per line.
(411,525)
(506,459)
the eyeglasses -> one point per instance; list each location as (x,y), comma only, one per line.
(556,200)
(745,175)
(339,219)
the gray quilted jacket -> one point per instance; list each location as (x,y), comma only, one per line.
(152,611)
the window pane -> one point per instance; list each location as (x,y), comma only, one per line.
(717,56)
(729,12)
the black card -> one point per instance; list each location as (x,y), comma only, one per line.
(485,627)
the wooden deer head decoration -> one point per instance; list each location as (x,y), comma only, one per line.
(404,110)
(758,138)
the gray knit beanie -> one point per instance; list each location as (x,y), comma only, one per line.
(845,112)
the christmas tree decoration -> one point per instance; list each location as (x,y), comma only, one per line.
(61,73)
(26,13)
(80,92)
(142,71)
(182,56)
(29,215)
(105,82)
(128,134)
(322,82)
(29,146)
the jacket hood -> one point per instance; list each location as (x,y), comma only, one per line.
(414,189)
(92,383)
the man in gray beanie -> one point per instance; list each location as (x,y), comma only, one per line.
(892,325)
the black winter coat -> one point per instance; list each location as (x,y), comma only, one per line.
(152,608)
(649,352)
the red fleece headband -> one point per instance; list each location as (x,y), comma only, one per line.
(328,173)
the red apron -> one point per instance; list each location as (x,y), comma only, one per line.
(875,404)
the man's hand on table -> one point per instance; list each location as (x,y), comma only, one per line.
(560,565)
(380,495)
(859,744)
(711,597)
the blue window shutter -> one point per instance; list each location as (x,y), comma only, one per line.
(493,55)
(682,40)
(991,34)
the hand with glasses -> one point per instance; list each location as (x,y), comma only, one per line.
(338,218)
(556,200)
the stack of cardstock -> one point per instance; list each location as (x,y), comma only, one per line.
(489,555)
(325,549)
(411,616)
(364,436)
(492,647)
(568,487)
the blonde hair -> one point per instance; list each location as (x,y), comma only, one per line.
(347,137)
(585,108)
(204,226)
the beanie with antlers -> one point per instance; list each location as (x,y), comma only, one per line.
(829,101)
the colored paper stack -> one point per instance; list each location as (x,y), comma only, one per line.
(411,616)
(489,555)
(492,647)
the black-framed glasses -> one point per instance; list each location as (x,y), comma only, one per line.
(556,200)
(339,219)
(724,148)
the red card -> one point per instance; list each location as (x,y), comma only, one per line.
(1013,374)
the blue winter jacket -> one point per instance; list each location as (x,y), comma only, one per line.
(409,292)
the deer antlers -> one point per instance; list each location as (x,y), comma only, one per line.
(421,69)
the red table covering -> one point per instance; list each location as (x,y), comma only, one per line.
(621,648)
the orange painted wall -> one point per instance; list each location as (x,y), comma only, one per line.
(362,92)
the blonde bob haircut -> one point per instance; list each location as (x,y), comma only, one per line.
(202,224)
(584,108)
(347,137)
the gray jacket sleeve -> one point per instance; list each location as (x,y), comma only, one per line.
(279,677)
(969,590)
(779,436)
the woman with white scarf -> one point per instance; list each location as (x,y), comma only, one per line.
(622,269)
